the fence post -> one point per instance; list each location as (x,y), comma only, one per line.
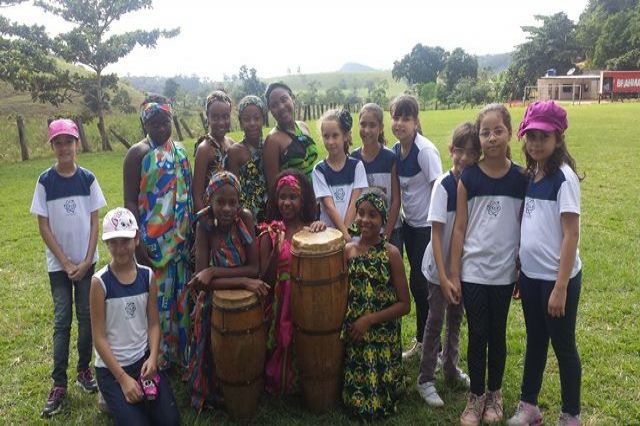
(22,138)
(177,125)
(83,137)
(186,128)
(204,122)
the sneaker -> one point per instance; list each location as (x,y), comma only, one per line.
(526,415)
(416,348)
(472,414)
(461,380)
(439,362)
(102,404)
(567,419)
(86,381)
(54,401)
(428,392)
(493,407)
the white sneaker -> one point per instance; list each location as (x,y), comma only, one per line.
(461,379)
(416,348)
(429,393)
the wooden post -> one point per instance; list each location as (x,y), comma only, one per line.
(177,126)
(186,128)
(22,138)
(121,138)
(144,132)
(305,117)
(204,122)
(83,137)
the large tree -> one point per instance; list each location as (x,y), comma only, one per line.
(421,65)
(91,43)
(458,65)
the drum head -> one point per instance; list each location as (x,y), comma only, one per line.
(234,299)
(307,243)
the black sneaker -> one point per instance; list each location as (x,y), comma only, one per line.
(86,381)
(54,401)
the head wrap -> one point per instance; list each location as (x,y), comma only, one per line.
(149,110)
(291,181)
(346,121)
(217,96)
(218,180)
(251,100)
(376,201)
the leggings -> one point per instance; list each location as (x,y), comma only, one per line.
(561,331)
(416,241)
(487,307)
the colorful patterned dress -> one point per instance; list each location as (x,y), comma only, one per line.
(165,211)
(373,375)
(200,374)
(215,165)
(281,372)
(301,154)
(254,187)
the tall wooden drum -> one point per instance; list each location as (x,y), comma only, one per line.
(239,340)
(319,302)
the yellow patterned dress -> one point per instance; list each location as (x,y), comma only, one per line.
(373,375)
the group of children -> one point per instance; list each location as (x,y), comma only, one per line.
(231,227)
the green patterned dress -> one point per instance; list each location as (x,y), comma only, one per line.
(373,375)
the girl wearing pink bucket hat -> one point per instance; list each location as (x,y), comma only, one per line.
(551,270)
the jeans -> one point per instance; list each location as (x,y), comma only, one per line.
(415,243)
(541,328)
(162,411)
(61,292)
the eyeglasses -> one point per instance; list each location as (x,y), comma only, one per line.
(497,132)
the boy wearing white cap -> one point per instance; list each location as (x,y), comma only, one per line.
(126,330)
(66,201)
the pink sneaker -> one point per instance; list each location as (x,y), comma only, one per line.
(472,414)
(567,419)
(526,415)
(493,407)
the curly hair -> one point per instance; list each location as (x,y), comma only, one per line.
(309,209)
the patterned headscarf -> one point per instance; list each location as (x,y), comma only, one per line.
(149,110)
(217,96)
(376,201)
(291,181)
(218,180)
(251,100)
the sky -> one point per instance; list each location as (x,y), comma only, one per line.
(283,36)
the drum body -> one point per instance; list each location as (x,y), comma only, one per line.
(319,302)
(239,340)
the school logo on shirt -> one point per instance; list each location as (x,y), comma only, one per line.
(494,208)
(529,207)
(70,206)
(339,194)
(130,310)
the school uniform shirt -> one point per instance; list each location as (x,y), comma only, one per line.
(125,315)
(442,209)
(416,173)
(541,231)
(338,185)
(379,173)
(493,226)
(68,203)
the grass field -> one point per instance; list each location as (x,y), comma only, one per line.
(602,138)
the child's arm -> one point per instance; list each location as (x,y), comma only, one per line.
(131,183)
(394,208)
(150,366)
(360,327)
(457,242)
(271,160)
(267,258)
(130,387)
(84,266)
(332,212)
(570,235)
(350,215)
(199,182)
(50,240)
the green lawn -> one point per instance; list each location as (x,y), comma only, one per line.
(602,138)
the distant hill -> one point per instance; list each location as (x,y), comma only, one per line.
(354,67)
(496,63)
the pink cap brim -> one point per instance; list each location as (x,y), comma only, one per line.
(118,234)
(64,132)
(537,125)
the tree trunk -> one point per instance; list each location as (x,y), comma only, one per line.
(83,138)
(106,146)
(22,138)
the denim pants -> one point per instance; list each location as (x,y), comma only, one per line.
(416,241)
(62,292)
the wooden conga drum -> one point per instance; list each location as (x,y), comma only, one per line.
(318,303)
(239,340)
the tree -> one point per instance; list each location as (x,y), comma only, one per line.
(334,95)
(90,43)
(427,92)
(249,83)
(122,101)
(378,93)
(171,87)
(458,65)
(420,66)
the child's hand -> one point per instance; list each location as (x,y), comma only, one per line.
(451,292)
(202,279)
(317,226)
(80,272)
(557,302)
(347,237)
(359,328)
(70,268)
(257,286)
(149,369)
(131,389)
